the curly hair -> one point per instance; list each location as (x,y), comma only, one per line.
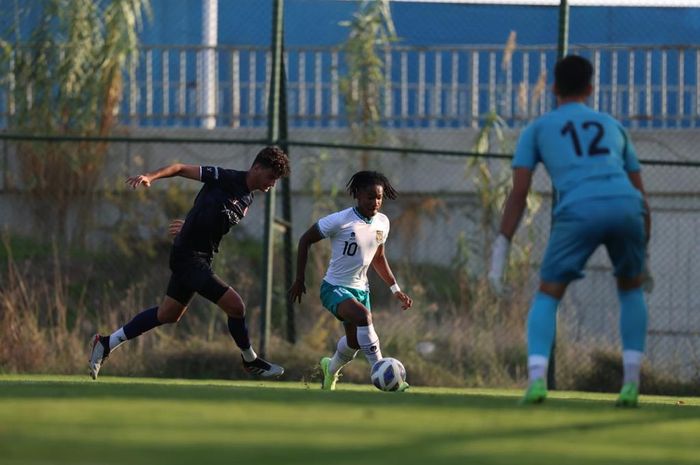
(364,179)
(274,157)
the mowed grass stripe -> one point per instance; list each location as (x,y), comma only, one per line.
(65,419)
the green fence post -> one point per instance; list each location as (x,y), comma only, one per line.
(272,139)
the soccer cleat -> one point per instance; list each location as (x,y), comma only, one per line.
(262,368)
(98,355)
(629,395)
(536,393)
(329,380)
(404,386)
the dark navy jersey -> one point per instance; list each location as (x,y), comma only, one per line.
(221,203)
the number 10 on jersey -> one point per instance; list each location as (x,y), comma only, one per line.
(350,248)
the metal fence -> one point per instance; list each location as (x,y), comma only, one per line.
(441,234)
(435,100)
(645,87)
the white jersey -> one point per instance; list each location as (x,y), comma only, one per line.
(354,241)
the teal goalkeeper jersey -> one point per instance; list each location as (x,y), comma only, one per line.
(586,153)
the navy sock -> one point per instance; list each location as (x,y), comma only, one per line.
(144,321)
(239,332)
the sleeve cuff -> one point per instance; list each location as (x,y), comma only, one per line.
(318,228)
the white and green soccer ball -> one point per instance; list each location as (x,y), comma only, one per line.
(388,374)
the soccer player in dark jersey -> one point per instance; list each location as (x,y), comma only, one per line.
(222,202)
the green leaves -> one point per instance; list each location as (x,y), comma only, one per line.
(65,78)
(371,32)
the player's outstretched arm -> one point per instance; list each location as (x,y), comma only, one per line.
(512,214)
(176,169)
(311,236)
(381,266)
(516,202)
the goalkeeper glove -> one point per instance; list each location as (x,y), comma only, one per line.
(499,258)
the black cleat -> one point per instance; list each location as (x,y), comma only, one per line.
(262,368)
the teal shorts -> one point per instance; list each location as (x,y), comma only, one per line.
(578,230)
(332,295)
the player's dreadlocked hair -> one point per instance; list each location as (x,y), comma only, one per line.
(572,75)
(275,158)
(364,179)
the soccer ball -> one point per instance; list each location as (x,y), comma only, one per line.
(388,374)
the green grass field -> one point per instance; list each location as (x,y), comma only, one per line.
(72,420)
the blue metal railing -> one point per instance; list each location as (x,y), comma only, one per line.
(437,87)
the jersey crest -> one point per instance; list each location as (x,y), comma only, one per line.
(236,213)
(380,237)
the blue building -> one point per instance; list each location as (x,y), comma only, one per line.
(448,68)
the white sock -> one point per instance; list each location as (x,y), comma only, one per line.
(631,365)
(537,367)
(343,355)
(369,343)
(117,338)
(249,354)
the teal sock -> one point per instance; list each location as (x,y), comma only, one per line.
(633,319)
(633,329)
(541,325)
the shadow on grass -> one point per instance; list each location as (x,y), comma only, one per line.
(270,393)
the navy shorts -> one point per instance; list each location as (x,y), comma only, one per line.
(192,273)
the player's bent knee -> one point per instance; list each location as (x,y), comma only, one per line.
(362,318)
(351,311)
(170,311)
(627,284)
(232,304)
(239,311)
(555,290)
(234,311)
(171,317)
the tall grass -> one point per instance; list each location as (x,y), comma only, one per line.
(34,321)
(44,322)
(51,305)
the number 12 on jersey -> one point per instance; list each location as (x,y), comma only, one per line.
(594,147)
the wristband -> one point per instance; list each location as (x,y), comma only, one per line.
(395,288)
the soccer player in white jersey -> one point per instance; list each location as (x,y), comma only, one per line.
(357,235)
(599,200)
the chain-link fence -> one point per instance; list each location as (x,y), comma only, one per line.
(459,78)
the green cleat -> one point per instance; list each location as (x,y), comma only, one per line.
(329,380)
(628,397)
(404,386)
(536,393)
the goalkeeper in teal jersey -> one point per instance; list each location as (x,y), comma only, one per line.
(599,200)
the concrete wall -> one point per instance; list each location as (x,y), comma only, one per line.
(437,205)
